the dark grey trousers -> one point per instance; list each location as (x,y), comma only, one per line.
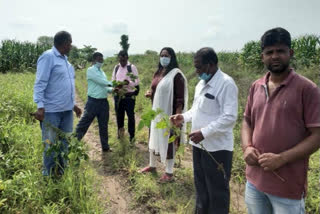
(212,188)
(95,108)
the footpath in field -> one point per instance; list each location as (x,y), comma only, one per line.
(113,185)
(109,184)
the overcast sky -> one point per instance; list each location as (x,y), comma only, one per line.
(185,25)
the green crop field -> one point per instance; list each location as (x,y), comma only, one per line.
(24,190)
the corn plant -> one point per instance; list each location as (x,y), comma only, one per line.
(17,56)
(306,49)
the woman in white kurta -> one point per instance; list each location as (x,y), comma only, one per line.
(169,93)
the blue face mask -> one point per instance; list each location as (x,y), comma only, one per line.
(165,61)
(205,76)
(98,64)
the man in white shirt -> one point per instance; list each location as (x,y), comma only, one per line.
(213,115)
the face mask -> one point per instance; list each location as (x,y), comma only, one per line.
(164,61)
(205,76)
(98,64)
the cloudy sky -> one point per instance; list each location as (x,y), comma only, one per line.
(185,25)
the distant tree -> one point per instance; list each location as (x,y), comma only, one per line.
(45,41)
(87,52)
(74,55)
(74,52)
(150,52)
(124,42)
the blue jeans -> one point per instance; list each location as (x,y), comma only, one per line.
(263,203)
(95,108)
(63,121)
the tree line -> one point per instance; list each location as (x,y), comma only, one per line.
(16,56)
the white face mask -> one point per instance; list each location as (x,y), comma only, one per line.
(98,64)
(165,61)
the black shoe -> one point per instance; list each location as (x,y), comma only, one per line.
(107,150)
(132,140)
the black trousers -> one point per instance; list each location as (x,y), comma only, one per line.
(95,108)
(127,105)
(212,189)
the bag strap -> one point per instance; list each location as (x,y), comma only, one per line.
(115,71)
(117,68)
(129,68)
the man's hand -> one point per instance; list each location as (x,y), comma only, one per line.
(77,110)
(115,90)
(251,156)
(196,136)
(39,114)
(177,120)
(148,94)
(271,161)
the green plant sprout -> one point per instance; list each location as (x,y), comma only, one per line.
(121,92)
(175,132)
(76,151)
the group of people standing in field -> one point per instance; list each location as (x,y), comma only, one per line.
(280,127)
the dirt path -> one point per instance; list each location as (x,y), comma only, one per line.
(237,203)
(111,186)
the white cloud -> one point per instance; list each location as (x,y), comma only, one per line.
(108,53)
(116,28)
(214,26)
(186,25)
(22,23)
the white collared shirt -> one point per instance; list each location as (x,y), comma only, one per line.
(214,111)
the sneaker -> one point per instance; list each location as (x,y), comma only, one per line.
(147,169)
(166,178)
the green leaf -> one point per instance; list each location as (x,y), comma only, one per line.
(2,202)
(162,124)
(141,125)
(172,138)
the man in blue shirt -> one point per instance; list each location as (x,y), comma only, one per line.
(54,94)
(97,105)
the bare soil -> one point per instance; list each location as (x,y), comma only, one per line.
(113,187)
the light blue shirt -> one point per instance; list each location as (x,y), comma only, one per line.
(98,84)
(54,88)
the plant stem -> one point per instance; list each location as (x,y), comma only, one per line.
(281,178)
(220,165)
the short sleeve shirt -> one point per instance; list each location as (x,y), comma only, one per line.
(280,122)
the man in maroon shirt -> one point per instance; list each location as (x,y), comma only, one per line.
(280,130)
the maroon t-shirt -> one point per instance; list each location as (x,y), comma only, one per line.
(280,122)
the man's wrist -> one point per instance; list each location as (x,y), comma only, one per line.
(244,147)
(40,105)
(283,158)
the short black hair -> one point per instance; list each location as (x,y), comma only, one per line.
(276,36)
(61,38)
(96,55)
(123,53)
(207,56)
